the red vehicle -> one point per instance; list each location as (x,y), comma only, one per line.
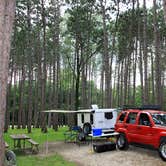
(144,127)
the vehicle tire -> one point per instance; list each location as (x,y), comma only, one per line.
(122,142)
(162,150)
(10,158)
(87,128)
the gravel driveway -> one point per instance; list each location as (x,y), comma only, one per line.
(83,155)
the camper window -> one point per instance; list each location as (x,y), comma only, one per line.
(91,118)
(82,118)
(108,115)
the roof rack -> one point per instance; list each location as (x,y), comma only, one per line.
(151,107)
(125,107)
(143,107)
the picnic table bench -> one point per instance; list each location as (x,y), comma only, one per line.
(34,145)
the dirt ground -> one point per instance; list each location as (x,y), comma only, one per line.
(83,155)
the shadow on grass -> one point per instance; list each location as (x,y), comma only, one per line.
(23,152)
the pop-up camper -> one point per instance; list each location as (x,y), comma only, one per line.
(87,119)
(104,119)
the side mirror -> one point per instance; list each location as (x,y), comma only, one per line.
(150,125)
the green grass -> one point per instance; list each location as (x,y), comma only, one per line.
(54,160)
(38,136)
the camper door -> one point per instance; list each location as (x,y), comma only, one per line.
(99,120)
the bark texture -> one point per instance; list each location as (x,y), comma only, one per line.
(7,8)
(164,4)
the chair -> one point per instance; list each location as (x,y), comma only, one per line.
(71,135)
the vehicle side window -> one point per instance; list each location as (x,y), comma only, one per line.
(122,117)
(144,119)
(82,118)
(131,117)
(108,115)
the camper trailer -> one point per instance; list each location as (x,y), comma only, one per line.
(88,119)
(104,119)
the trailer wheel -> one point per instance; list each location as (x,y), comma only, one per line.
(87,128)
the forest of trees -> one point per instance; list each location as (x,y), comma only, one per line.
(74,53)
(69,54)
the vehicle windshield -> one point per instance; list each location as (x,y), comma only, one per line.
(159,119)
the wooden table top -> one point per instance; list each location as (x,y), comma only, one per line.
(19,136)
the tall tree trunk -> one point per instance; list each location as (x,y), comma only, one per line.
(77,83)
(153,84)
(19,115)
(127,80)
(56,60)
(122,83)
(21,98)
(157,57)
(30,66)
(145,55)
(118,87)
(102,84)
(7,8)
(89,98)
(140,55)
(126,71)
(44,71)
(37,119)
(7,120)
(84,87)
(134,74)
(14,100)
(77,86)
(106,57)
(164,4)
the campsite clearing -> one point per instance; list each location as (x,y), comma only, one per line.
(83,155)
(70,154)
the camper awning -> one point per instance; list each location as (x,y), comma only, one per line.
(68,111)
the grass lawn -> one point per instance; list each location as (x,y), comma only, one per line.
(54,160)
(36,135)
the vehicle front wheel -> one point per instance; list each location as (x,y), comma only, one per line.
(162,150)
(122,142)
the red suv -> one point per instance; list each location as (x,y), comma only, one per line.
(144,127)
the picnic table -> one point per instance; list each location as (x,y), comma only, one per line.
(18,139)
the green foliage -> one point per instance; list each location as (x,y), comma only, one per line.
(65,89)
(81,23)
(128,30)
(138,99)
